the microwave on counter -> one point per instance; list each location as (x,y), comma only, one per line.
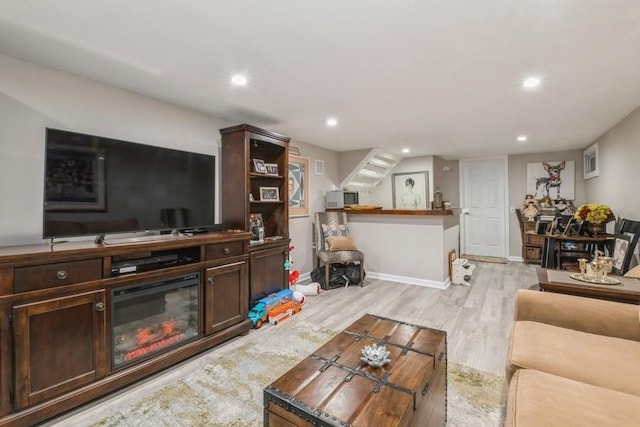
(338,199)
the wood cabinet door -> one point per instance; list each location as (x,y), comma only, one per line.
(60,345)
(267,271)
(226,296)
(6,359)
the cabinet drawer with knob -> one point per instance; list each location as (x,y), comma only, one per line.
(224,250)
(52,275)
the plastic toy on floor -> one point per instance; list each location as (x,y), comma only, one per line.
(309,289)
(259,313)
(462,272)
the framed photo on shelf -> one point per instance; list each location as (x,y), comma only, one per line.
(269,194)
(621,252)
(271,168)
(259,166)
(298,186)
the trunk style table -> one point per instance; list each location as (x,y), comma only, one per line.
(333,387)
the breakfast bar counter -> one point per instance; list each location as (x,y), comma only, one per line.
(408,246)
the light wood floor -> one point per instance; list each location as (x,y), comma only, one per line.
(477,320)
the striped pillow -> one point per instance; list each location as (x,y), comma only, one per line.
(333,230)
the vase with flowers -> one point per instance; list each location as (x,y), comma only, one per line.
(597,215)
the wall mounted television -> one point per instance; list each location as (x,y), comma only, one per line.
(96,186)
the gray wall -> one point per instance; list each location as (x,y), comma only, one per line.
(446,175)
(619,180)
(33,98)
(300,228)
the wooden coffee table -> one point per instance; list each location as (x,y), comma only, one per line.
(560,281)
(333,387)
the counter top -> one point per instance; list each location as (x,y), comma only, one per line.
(436,212)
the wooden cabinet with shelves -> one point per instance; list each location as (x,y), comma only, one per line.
(247,191)
(531,241)
(68,310)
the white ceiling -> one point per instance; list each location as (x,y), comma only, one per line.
(439,77)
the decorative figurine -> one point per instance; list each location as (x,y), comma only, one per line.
(529,210)
(375,356)
(582,262)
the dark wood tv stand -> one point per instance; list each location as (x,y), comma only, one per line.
(57,313)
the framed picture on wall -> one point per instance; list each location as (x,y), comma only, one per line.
(551,179)
(298,186)
(410,190)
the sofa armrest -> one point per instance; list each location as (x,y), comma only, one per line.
(590,315)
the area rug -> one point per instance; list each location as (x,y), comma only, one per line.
(226,388)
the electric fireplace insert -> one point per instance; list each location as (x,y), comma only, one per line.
(153,317)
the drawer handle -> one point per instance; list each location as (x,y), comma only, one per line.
(210,281)
(226,251)
(100,306)
(62,274)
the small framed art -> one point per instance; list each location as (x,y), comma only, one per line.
(298,186)
(272,168)
(621,252)
(259,166)
(269,194)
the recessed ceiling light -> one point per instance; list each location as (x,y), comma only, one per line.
(522,138)
(332,122)
(405,150)
(239,80)
(531,82)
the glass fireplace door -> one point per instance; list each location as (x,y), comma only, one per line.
(150,318)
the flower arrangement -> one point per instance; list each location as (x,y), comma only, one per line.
(595,213)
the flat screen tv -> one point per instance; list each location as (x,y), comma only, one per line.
(96,185)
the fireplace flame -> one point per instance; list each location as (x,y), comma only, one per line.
(144,335)
(168,328)
(154,346)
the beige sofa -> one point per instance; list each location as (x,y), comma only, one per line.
(573,361)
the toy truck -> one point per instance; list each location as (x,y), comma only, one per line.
(283,311)
(260,312)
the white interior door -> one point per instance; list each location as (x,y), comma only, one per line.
(483,196)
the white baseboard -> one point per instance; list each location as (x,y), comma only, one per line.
(515,258)
(393,278)
(304,276)
(409,280)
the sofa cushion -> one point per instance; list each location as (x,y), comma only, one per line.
(593,359)
(540,399)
